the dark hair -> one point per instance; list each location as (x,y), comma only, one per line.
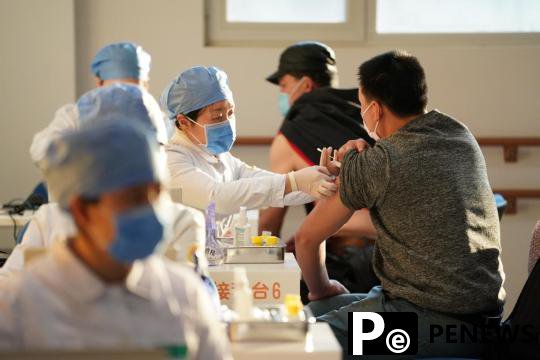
(397,80)
(193,115)
(321,78)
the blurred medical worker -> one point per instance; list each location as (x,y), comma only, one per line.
(103,287)
(123,62)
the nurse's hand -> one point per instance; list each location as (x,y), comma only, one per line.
(315,181)
(359,145)
(328,160)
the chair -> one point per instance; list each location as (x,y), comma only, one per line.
(37,197)
(526,314)
(501,203)
(21,233)
(534,249)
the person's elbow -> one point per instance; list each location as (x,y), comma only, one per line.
(304,238)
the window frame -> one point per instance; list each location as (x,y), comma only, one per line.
(443,39)
(219,32)
(358,30)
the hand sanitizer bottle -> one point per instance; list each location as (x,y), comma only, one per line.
(242,229)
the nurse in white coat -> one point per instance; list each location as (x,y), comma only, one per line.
(200,103)
(123,62)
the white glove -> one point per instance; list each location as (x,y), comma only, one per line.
(315,181)
(329,161)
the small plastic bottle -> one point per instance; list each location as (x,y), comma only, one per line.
(242,229)
(271,241)
(257,240)
(214,252)
(293,305)
(242,296)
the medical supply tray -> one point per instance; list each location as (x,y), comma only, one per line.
(254,254)
(277,328)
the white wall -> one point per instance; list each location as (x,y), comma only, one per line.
(492,89)
(37,75)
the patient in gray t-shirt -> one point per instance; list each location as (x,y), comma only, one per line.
(430,200)
(425,183)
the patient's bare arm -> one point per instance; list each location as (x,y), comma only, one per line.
(325,220)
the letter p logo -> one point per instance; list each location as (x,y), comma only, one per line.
(358,329)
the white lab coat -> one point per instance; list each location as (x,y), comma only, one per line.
(59,303)
(224,179)
(65,119)
(51,224)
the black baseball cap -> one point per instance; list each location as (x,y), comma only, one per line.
(305,56)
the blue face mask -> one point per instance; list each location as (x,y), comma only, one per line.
(220,137)
(283,99)
(283,103)
(138,231)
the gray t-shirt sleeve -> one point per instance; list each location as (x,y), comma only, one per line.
(364,177)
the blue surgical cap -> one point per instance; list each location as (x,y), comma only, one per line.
(195,89)
(123,103)
(121,61)
(99,159)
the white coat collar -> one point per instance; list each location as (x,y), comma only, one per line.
(76,280)
(72,277)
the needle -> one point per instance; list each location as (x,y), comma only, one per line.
(330,156)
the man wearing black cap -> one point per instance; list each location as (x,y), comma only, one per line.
(317,115)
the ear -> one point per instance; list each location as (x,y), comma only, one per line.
(379,109)
(99,82)
(79,211)
(309,84)
(181,122)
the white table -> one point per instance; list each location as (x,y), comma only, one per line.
(7,242)
(86,354)
(320,344)
(269,282)
(20,220)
